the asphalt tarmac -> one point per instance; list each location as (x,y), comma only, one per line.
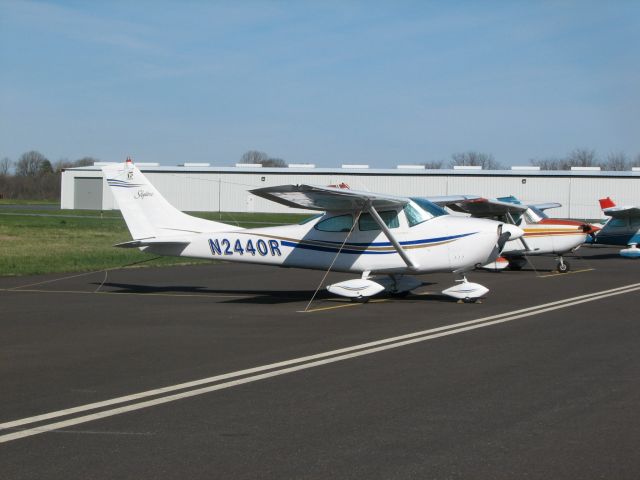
(218,371)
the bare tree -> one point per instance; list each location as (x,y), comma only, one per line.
(616,161)
(35,176)
(550,163)
(255,156)
(28,165)
(61,164)
(5,166)
(582,157)
(434,164)
(85,162)
(474,159)
(636,161)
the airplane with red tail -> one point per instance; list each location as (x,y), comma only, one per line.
(622,228)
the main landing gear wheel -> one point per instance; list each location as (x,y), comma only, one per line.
(360,299)
(469,300)
(563,267)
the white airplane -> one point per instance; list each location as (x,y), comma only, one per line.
(384,239)
(542,235)
(623,228)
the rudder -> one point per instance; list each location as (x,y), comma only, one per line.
(146,212)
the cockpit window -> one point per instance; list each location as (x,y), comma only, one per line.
(532,215)
(340,223)
(430,207)
(389,217)
(420,210)
(539,212)
(415,215)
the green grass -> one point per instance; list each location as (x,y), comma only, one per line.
(13,201)
(81,240)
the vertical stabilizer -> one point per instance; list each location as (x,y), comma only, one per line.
(145,210)
(606,203)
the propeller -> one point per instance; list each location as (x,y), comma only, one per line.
(503,238)
(590,230)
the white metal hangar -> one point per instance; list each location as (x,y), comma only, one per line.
(199,187)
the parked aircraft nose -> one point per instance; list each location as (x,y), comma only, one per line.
(514,230)
(507,232)
(590,230)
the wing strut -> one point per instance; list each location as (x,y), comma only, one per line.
(410,263)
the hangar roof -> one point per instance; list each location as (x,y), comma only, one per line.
(520,172)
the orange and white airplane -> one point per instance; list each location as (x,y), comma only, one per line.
(542,235)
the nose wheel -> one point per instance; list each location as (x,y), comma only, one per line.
(563,267)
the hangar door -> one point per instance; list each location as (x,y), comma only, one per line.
(87,193)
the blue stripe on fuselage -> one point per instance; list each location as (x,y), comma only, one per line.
(305,246)
(408,242)
(346,249)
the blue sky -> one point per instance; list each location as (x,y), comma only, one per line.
(321,82)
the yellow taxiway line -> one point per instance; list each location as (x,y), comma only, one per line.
(31,290)
(343,305)
(566,273)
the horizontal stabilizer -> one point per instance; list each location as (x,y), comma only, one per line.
(153,241)
(622,212)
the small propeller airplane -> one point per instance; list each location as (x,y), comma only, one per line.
(623,228)
(542,235)
(384,239)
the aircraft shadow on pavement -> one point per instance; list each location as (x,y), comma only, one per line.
(266,297)
(614,255)
(261,297)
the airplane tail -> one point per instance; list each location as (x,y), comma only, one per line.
(606,203)
(146,212)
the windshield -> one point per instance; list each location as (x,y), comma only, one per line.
(539,212)
(419,210)
(531,216)
(430,207)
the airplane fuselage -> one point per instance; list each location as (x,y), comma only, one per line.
(443,243)
(619,232)
(549,236)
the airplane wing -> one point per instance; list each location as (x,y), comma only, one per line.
(314,197)
(545,206)
(622,212)
(477,206)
